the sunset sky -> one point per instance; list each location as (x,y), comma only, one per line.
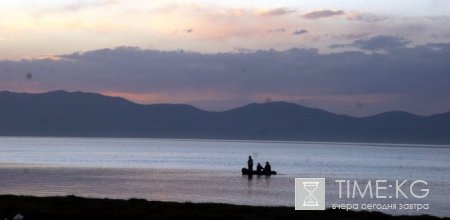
(347,56)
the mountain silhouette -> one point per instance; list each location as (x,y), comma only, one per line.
(79,114)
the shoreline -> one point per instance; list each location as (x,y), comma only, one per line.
(73,207)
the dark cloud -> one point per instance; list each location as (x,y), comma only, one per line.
(381,42)
(189,30)
(278,12)
(300,32)
(322,14)
(29,76)
(415,79)
(337,46)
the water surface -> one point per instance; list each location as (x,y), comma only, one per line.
(209,170)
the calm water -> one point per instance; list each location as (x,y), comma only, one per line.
(209,171)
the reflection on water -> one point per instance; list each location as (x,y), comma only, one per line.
(256,181)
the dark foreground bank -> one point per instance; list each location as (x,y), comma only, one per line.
(72,207)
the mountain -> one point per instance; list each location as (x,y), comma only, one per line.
(61,113)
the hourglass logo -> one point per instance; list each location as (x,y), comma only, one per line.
(309,193)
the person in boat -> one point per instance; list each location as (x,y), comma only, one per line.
(259,168)
(267,168)
(250,163)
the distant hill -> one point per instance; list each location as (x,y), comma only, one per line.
(61,113)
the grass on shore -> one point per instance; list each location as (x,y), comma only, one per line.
(71,207)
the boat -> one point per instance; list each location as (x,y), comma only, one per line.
(246,171)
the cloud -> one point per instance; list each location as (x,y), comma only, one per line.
(164,25)
(300,32)
(76,6)
(337,46)
(382,42)
(6,39)
(438,18)
(244,50)
(209,23)
(365,17)
(411,78)
(322,14)
(277,12)
(277,30)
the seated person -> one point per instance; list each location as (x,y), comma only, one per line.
(267,168)
(259,168)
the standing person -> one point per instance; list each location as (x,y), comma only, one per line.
(250,163)
(267,168)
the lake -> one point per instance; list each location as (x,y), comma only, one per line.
(209,170)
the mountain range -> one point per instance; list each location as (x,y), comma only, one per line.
(79,114)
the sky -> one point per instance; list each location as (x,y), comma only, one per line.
(347,56)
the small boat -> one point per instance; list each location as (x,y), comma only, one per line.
(246,171)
